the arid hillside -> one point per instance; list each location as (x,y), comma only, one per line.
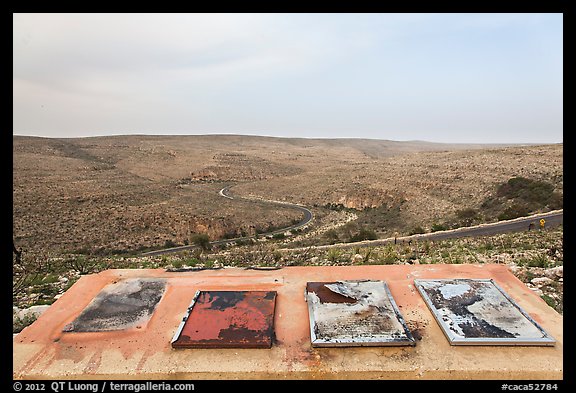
(130,193)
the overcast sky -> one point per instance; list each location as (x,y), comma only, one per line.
(436,77)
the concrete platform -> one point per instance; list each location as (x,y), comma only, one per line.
(44,351)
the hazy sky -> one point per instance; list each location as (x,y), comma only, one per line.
(436,77)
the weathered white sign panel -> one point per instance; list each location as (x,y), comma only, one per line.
(354,313)
(479,312)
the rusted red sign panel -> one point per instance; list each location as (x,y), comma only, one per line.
(228,319)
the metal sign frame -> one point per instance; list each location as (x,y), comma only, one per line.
(456,339)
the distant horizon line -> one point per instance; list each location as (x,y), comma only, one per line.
(285,137)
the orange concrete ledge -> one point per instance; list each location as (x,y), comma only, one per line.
(43,351)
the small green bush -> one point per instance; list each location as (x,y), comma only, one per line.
(527,189)
(332,236)
(389,256)
(201,240)
(333,254)
(18,324)
(534,261)
(438,227)
(82,264)
(514,211)
(192,261)
(277,255)
(550,301)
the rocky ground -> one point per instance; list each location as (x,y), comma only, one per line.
(89,204)
(129,193)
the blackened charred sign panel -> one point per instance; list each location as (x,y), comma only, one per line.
(479,312)
(123,305)
(228,319)
(354,313)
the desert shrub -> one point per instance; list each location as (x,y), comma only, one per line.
(514,211)
(201,240)
(534,261)
(438,227)
(20,323)
(490,203)
(369,252)
(389,255)
(551,302)
(466,217)
(556,201)
(426,247)
(192,261)
(169,243)
(485,246)
(332,236)
(527,189)
(82,264)
(519,197)
(230,235)
(277,255)
(335,206)
(534,192)
(32,269)
(278,236)
(364,234)
(416,230)
(333,254)
(467,213)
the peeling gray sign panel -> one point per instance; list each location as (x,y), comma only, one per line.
(123,305)
(354,313)
(479,312)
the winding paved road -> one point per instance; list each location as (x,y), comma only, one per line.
(308,216)
(551,219)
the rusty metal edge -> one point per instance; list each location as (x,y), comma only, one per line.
(272,327)
(313,337)
(456,340)
(411,341)
(185,318)
(317,342)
